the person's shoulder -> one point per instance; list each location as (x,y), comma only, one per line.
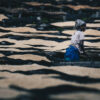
(79,32)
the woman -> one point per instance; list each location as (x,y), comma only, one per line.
(77,42)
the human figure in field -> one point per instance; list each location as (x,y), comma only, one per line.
(77,42)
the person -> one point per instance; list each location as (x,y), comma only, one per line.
(77,42)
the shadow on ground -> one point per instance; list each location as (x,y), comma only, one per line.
(46,93)
(61,75)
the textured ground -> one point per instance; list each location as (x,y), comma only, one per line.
(26,72)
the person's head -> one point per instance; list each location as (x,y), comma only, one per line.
(80,25)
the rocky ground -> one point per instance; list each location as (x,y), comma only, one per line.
(32,50)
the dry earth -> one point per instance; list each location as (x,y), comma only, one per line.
(27,75)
